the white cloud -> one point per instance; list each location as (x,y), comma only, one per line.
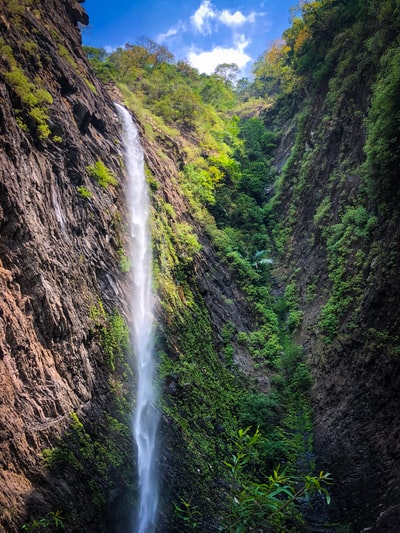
(180,27)
(237,18)
(207,12)
(161,37)
(202,16)
(207,61)
(110,49)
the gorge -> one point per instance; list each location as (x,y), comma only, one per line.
(274,217)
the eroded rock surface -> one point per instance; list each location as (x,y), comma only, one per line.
(57,248)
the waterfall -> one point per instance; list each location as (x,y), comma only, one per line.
(146,415)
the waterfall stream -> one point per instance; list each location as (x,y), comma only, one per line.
(146,415)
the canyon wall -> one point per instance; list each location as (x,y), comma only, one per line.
(58,249)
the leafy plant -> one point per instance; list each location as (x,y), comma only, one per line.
(53,519)
(101,174)
(260,502)
(188,514)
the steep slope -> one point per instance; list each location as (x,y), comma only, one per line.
(58,245)
(339,221)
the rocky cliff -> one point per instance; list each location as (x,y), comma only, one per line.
(58,248)
(338,203)
(66,384)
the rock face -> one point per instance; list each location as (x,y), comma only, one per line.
(350,340)
(57,247)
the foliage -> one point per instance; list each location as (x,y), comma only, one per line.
(115,338)
(98,460)
(17,8)
(114,334)
(125,262)
(101,174)
(188,514)
(261,502)
(383,138)
(234,163)
(52,520)
(356,225)
(226,168)
(34,99)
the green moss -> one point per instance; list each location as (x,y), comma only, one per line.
(101,174)
(125,263)
(7,54)
(90,85)
(322,210)
(64,53)
(34,99)
(84,192)
(98,459)
(115,339)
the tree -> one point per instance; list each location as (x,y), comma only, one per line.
(228,72)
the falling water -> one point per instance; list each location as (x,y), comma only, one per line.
(146,415)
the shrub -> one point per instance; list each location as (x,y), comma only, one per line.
(101,174)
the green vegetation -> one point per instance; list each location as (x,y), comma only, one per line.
(225,179)
(34,101)
(125,263)
(84,192)
(275,181)
(114,334)
(271,501)
(101,174)
(99,461)
(17,8)
(52,520)
(254,201)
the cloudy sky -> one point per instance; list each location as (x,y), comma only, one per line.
(204,32)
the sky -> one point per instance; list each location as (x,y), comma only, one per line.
(206,33)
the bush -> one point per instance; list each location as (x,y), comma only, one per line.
(101,174)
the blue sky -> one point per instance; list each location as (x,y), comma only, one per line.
(204,32)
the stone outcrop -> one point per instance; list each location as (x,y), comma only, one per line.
(356,375)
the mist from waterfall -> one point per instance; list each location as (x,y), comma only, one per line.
(146,416)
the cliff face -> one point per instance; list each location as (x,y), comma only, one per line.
(57,247)
(63,305)
(338,205)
